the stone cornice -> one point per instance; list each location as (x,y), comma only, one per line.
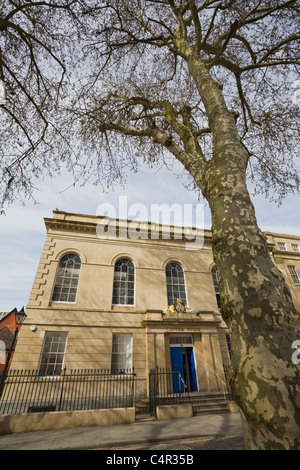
(63,221)
(70,225)
(66,221)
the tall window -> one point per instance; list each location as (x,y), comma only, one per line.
(67,277)
(123,289)
(52,356)
(294,274)
(215,276)
(121,359)
(175,283)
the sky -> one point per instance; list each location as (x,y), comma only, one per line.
(23,233)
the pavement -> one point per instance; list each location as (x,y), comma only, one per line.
(138,435)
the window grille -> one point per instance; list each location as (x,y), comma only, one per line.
(53,353)
(184,340)
(282,246)
(123,288)
(67,276)
(121,359)
(294,274)
(175,283)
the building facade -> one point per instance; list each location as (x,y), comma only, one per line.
(117,302)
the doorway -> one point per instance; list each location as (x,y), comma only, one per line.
(183,366)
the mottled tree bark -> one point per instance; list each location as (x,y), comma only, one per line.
(256,302)
(261,318)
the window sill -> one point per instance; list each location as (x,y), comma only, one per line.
(59,303)
(123,308)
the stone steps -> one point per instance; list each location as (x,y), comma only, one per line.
(202,402)
(210,407)
(209,403)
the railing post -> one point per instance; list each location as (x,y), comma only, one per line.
(133,387)
(152,391)
(63,374)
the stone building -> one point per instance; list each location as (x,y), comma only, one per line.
(101,302)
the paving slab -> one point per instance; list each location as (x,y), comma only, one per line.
(141,432)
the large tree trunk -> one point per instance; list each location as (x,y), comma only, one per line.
(258,309)
(256,302)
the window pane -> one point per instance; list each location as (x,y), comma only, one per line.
(282,246)
(52,355)
(294,274)
(67,276)
(121,352)
(175,283)
(123,288)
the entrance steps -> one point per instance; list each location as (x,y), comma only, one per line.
(202,402)
(207,402)
(142,407)
(212,402)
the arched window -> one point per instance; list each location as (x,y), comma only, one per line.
(67,276)
(215,276)
(175,283)
(123,289)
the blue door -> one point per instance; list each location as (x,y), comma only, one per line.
(177,366)
(185,378)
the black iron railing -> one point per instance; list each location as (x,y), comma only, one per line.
(226,371)
(166,387)
(24,391)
